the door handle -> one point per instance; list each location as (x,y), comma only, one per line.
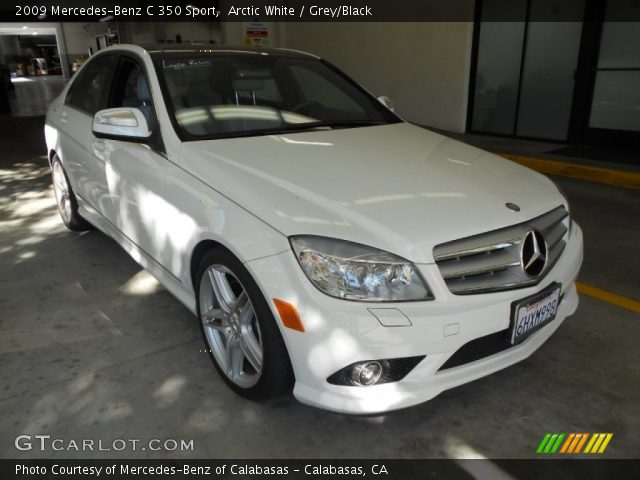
(63,117)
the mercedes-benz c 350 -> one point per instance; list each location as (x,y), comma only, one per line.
(325,245)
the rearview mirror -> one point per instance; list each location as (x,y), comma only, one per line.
(387,102)
(124,123)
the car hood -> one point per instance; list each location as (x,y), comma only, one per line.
(398,187)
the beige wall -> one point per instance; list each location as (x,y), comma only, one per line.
(82,36)
(191,32)
(423,67)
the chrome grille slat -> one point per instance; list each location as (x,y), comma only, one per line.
(491,261)
(548,220)
(480,249)
(479,263)
(503,280)
(554,235)
(554,255)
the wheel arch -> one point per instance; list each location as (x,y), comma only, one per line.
(233,240)
(199,251)
(52,153)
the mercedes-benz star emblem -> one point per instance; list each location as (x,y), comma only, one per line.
(533,253)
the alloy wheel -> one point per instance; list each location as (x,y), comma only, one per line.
(61,189)
(231,326)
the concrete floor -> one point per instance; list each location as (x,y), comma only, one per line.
(92,347)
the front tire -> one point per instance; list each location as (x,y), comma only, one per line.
(239,329)
(66,199)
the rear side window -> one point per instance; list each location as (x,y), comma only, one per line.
(87,89)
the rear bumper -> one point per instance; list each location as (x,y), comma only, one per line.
(339,333)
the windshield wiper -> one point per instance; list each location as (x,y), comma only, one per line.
(353,123)
(297,127)
(331,124)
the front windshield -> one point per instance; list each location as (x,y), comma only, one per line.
(243,94)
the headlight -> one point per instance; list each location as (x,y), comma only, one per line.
(355,272)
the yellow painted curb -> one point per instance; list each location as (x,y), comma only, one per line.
(612,298)
(618,178)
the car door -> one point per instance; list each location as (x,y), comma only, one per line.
(85,97)
(134,169)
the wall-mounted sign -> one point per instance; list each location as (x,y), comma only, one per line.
(257,34)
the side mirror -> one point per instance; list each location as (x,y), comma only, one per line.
(387,102)
(128,124)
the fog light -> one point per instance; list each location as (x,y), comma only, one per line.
(366,373)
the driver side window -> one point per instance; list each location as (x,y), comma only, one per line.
(131,89)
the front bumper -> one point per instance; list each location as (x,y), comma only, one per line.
(339,333)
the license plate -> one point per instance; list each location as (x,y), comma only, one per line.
(534,312)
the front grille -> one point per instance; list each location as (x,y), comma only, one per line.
(490,261)
(479,348)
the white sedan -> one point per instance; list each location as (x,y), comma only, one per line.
(325,245)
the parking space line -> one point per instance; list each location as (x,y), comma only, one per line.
(612,298)
(618,178)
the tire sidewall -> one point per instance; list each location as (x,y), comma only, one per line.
(271,337)
(75,222)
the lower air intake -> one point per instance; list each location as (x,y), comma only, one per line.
(478,349)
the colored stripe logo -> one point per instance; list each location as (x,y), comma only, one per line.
(574,443)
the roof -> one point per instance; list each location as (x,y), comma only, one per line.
(157,50)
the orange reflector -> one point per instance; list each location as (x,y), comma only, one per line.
(289,315)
